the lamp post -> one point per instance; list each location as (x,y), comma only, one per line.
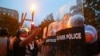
(33,16)
(32,25)
(32,22)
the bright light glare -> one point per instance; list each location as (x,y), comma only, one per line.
(68,25)
(32,23)
(33,7)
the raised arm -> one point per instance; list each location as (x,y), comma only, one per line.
(30,38)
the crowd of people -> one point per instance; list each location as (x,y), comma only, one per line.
(24,43)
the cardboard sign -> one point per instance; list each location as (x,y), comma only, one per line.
(71,42)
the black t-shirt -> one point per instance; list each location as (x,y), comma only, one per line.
(92,49)
(18,51)
(35,50)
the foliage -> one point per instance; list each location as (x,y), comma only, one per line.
(10,23)
(92,11)
(89,15)
(49,19)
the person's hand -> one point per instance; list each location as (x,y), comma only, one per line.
(36,31)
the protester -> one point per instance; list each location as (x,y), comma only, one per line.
(35,50)
(21,46)
(11,39)
(4,42)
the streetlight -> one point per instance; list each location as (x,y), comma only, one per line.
(33,9)
(32,22)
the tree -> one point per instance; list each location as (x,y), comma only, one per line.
(10,23)
(89,15)
(49,19)
(92,11)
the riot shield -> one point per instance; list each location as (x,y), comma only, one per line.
(71,42)
(49,46)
